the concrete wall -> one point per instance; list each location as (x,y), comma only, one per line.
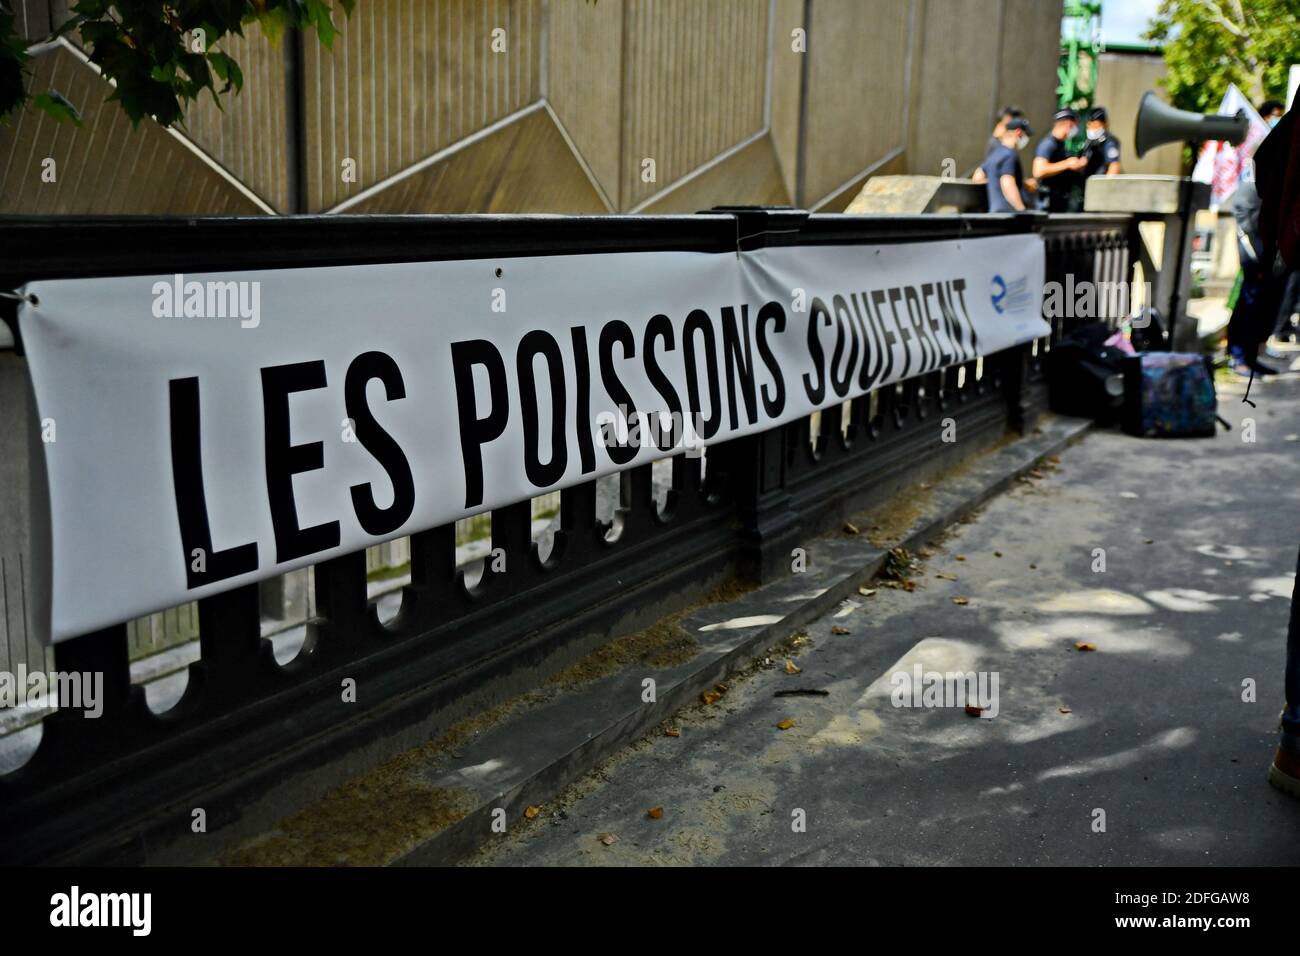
(432,120)
(1122,78)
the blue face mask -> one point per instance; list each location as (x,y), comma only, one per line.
(1272,121)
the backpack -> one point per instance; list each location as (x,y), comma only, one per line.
(1169,395)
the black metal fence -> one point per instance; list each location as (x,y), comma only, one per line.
(111,789)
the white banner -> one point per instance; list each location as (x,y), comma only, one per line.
(1221,164)
(203,432)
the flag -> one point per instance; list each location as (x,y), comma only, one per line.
(1220,163)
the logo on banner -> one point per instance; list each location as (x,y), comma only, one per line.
(1009,296)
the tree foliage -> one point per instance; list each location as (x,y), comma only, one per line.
(1209,44)
(159,56)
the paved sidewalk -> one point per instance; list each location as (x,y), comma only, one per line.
(1200,542)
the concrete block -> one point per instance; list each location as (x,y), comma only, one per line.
(903,195)
(1150,194)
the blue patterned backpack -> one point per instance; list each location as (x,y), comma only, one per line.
(1169,395)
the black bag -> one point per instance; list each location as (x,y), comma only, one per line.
(1148,334)
(1085,377)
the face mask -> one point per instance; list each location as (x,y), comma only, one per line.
(1022,141)
(1096,134)
(1272,121)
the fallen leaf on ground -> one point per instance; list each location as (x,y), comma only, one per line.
(973,711)
(945,575)
(909,585)
(608,839)
(866,592)
(837,629)
(997,554)
(792,668)
(654,813)
(720,688)
(672,732)
(896,564)
(961,600)
(1082,646)
(850,528)
(1065,710)
(531,812)
(960,557)
(1033,567)
(801,639)
(785,724)
(710,697)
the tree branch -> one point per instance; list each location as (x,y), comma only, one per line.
(1218,17)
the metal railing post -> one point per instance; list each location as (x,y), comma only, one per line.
(753,466)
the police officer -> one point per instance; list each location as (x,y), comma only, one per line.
(1003,176)
(1102,151)
(1008,114)
(1057,170)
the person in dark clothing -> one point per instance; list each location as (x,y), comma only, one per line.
(1284,328)
(1277,174)
(1102,153)
(1004,178)
(1057,171)
(1259,299)
(1272,112)
(1008,114)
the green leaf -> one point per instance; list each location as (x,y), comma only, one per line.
(226,70)
(56,105)
(140,45)
(273,23)
(318,12)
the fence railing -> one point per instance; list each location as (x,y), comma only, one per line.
(109,789)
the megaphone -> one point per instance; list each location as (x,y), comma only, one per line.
(1158,122)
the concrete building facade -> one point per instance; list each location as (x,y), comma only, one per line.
(557,106)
